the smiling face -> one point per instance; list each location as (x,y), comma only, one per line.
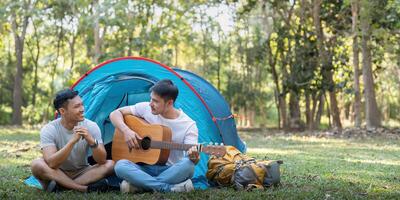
(73,110)
(159,105)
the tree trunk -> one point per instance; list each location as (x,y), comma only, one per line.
(347,111)
(35,62)
(326,64)
(372,114)
(8,85)
(204,34)
(299,56)
(72,51)
(17,92)
(280,98)
(318,116)
(397,71)
(309,112)
(130,30)
(53,72)
(276,99)
(283,112)
(19,51)
(335,110)
(315,99)
(35,84)
(97,38)
(357,96)
(294,112)
(328,113)
(219,64)
(176,53)
(130,40)
(285,60)
(251,116)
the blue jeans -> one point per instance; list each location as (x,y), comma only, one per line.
(155,177)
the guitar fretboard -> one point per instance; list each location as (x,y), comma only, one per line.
(171,145)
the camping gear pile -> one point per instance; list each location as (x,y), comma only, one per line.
(242,172)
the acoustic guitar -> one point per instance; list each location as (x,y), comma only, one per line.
(155,144)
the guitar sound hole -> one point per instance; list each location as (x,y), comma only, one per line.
(146,141)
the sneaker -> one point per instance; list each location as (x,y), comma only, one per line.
(99,186)
(51,187)
(126,187)
(185,186)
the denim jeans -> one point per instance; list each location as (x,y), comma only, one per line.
(154,177)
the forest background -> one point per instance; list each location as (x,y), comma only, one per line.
(298,64)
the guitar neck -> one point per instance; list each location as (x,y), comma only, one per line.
(171,145)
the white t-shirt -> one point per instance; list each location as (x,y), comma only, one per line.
(184,129)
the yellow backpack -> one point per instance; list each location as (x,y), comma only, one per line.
(242,171)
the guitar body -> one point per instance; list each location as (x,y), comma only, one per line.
(150,156)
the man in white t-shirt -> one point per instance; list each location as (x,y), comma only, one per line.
(65,143)
(175,175)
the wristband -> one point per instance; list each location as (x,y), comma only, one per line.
(96,143)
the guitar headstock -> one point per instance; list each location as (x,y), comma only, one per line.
(216,150)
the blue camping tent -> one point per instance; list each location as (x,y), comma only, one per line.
(126,81)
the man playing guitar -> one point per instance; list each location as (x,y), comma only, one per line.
(176,173)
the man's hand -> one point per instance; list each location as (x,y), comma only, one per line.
(83,133)
(76,137)
(194,154)
(131,139)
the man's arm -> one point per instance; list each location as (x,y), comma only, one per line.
(192,138)
(99,152)
(55,158)
(117,119)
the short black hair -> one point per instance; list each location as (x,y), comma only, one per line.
(62,98)
(165,89)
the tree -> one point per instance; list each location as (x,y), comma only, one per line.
(281,14)
(281,62)
(372,113)
(326,63)
(98,36)
(20,14)
(357,97)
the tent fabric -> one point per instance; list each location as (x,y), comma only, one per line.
(219,107)
(126,81)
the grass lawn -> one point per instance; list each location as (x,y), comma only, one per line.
(314,168)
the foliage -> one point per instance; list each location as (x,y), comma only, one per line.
(230,43)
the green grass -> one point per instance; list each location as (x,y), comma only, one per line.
(314,168)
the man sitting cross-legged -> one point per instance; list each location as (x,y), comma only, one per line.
(65,143)
(175,175)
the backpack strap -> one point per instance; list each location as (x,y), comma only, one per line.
(240,163)
(248,163)
(219,170)
(255,175)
